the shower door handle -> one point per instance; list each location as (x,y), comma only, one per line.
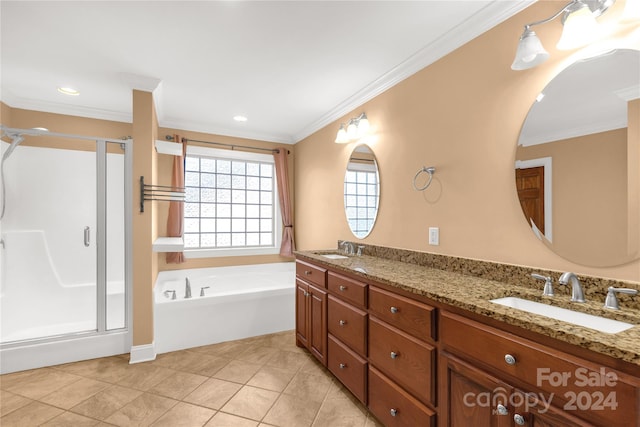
(87,236)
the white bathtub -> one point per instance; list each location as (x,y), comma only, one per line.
(240,302)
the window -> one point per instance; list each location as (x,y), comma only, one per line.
(230,203)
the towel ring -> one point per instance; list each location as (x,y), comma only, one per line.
(430,170)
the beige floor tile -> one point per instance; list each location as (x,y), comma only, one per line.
(70,395)
(178,385)
(9,402)
(257,354)
(373,422)
(142,411)
(227,420)
(33,414)
(341,412)
(105,403)
(292,411)
(69,419)
(271,378)
(312,366)
(288,360)
(207,365)
(251,402)
(39,383)
(238,371)
(309,386)
(108,369)
(143,376)
(228,349)
(213,393)
(185,415)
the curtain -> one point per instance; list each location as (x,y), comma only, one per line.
(282,175)
(175,222)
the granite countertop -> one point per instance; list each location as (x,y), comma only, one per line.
(473,294)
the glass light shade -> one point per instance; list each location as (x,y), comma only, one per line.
(341,137)
(580,28)
(530,52)
(363,125)
(631,11)
(352,130)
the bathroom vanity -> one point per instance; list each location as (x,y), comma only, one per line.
(416,338)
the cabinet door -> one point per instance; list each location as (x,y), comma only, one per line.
(471,397)
(533,411)
(318,323)
(302,314)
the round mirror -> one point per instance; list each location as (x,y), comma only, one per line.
(577,168)
(361,191)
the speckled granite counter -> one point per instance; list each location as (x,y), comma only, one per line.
(470,284)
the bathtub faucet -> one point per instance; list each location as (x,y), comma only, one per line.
(187,288)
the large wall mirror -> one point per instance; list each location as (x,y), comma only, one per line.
(577,161)
(361,191)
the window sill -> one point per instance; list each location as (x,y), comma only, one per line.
(168,244)
(216,253)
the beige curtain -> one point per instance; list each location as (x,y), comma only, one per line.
(175,222)
(282,175)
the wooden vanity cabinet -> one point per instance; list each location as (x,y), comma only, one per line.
(311,309)
(481,367)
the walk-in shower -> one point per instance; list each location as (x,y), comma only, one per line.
(64,291)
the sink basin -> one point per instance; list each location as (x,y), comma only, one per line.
(598,323)
(334,256)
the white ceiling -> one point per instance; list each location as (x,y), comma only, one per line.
(291,67)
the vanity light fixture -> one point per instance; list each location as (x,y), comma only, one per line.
(580,28)
(356,128)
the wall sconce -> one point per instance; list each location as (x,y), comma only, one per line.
(356,128)
(580,28)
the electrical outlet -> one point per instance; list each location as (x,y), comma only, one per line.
(434,236)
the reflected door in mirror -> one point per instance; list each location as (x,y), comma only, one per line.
(530,187)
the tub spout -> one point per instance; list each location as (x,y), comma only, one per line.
(187,288)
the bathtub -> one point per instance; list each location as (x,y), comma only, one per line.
(227,303)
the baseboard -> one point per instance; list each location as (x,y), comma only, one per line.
(142,353)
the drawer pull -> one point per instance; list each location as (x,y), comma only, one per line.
(342,365)
(509,359)
(393,412)
(306,294)
(342,288)
(394,310)
(502,410)
(342,322)
(519,419)
(307,272)
(394,355)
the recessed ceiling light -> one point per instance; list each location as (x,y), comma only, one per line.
(68,91)
(240,118)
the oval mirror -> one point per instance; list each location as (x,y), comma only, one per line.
(361,191)
(577,168)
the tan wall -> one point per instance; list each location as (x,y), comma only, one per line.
(633,174)
(589,189)
(164,178)
(463,115)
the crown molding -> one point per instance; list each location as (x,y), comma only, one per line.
(587,129)
(630,93)
(490,16)
(223,131)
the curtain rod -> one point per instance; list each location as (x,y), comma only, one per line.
(233,146)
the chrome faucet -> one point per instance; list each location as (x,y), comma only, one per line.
(612,301)
(187,288)
(548,284)
(577,295)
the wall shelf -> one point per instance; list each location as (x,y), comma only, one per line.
(168,244)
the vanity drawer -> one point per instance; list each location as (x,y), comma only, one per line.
(393,406)
(571,381)
(311,273)
(348,324)
(408,361)
(411,316)
(348,367)
(348,289)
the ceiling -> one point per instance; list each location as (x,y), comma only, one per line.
(290,67)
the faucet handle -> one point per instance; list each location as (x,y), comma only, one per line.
(611,301)
(548,284)
(202,290)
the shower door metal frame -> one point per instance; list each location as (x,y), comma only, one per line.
(11,352)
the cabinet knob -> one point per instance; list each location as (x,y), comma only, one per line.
(509,359)
(342,365)
(393,412)
(306,294)
(342,288)
(502,410)
(307,272)
(394,310)
(394,355)
(519,419)
(342,322)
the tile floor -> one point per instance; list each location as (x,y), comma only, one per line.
(259,381)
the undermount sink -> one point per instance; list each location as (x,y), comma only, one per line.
(334,256)
(598,323)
